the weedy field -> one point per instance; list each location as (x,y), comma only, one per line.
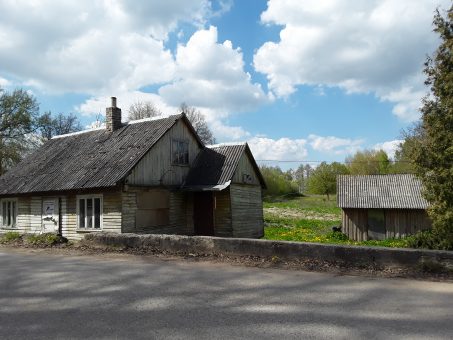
(310,219)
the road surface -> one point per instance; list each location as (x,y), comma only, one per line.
(46,296)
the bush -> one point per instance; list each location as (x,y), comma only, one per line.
(337,236)
(431,239)
(9,237)
(47,239)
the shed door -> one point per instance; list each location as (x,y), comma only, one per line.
(203,213)
(50,215)
(376,224)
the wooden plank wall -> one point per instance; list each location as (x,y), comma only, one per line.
(222,214)
(247,210)
(129,209)
(156,164)
(354,224)
(398,222)
(245,167)
(23,214)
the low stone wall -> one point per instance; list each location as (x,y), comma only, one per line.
(349,255)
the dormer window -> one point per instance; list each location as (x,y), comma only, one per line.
(180,152)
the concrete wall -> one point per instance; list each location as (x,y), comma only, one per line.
(356,256)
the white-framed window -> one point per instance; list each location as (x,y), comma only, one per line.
(8,208)
(180,152)
(89,212)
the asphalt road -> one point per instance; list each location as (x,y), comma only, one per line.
(45,296)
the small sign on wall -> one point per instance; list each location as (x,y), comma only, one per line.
(48,208)
(247,178)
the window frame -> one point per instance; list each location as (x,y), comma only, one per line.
(101,212)
(16,210)
(175,160)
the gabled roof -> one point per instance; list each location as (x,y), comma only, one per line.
(85,160)
(380,191)
(215,166)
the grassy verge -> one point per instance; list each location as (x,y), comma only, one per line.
(310,219)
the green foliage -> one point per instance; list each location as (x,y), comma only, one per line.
(10,237)
(369,162)
(47,239)
(323,179)
(433,153)
(431,239)
(278,183)
(18,114)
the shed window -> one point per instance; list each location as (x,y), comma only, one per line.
(89,212)
(180,152)
(9,213)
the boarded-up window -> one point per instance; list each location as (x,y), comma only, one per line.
(153,208)
(180,152)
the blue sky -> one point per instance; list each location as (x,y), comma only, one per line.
(299,80)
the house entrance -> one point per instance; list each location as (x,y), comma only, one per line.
(203,213)
(376,224)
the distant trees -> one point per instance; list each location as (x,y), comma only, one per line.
(368,162)
(143,109)
(278,182)
(323,180)
(60,124)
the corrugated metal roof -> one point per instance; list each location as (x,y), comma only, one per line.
(93,159)
(399,191)
(215,166)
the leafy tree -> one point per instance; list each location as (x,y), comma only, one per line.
(323,180)
(433,153)
(277,181)
(403,162)
(369,162)
(18,115)
(61,124)
(199,123)
(141,110)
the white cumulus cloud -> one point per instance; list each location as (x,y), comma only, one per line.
(278,149)
(389,147)
(334,145)
(363,47)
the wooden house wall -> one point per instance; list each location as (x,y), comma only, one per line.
(222,214)
(247,210)
(175,206)
(398,222)
(156,165)
(245,167)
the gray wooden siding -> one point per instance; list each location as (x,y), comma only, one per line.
(398,222)
(156,165)
(247,210)
(222,214)
(245,167)
(23,214)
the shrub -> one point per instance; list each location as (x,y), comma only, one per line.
(431,239)
(337,236)
(47,239)
(10,237)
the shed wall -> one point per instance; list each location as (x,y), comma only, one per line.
(222,214)
(245,167)
(398,222)
(247,210)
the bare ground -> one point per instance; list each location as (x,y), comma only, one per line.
(300,214)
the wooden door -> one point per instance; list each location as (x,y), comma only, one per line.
(203,213)
(376,224)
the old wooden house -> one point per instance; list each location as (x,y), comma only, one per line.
(376,207)
(148,176)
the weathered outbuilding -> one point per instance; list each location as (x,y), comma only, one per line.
(376,207)
(148,176)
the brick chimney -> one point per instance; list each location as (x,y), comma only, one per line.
(113,116)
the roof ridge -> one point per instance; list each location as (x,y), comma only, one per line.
(225,144)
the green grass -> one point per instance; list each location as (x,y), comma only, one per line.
(10,237)
(292,225)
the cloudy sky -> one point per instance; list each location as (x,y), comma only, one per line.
(298,79)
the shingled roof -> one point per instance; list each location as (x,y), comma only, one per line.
(215,166)
(402,191)
(85,160)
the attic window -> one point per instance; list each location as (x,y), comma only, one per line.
(9,213)
(180,152)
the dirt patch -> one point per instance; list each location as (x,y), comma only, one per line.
(300,214)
